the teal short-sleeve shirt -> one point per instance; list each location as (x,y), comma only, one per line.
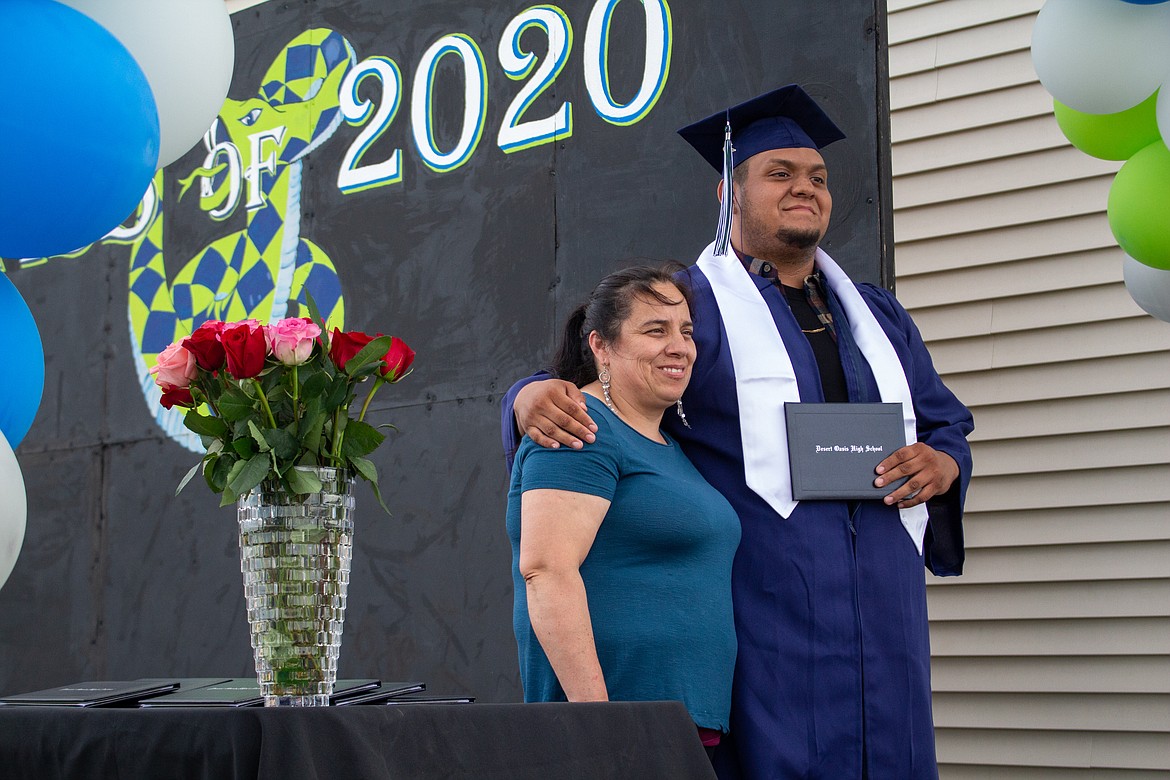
(657,578)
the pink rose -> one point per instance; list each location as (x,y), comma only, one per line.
(175,368)
(291,340)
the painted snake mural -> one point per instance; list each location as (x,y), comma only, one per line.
(256,150)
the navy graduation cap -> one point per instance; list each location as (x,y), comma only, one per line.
(784,118)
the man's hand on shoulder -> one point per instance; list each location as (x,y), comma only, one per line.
(552,412)
(930,473)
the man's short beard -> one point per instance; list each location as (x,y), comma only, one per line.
(798,239)
(780,244)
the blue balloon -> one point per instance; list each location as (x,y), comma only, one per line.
(79,129)
(1144,2)
(22,364)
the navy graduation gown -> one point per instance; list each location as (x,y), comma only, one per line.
(834,655)
(833,671)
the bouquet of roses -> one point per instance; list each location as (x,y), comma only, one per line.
(279,396)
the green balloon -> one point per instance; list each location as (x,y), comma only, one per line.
(1139,206)
(1110,136)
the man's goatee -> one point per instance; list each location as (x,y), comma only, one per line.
(799,239)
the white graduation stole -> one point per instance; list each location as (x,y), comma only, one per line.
(765,378)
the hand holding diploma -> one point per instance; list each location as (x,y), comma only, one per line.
(929,473)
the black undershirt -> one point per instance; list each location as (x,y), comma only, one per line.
(823,345)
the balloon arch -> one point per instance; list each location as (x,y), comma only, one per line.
(126,76)
(1105,62)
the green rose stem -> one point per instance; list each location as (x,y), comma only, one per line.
(335,458)
(378,382)
(203,385)
(264,402)
(296,389)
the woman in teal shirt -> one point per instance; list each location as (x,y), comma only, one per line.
(621,551)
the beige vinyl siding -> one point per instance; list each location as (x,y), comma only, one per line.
(1051,655)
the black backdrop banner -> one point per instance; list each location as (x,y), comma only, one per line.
(458,174)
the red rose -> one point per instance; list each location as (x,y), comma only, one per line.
(180,396)
(396,362)
(343,346)
(204,344)
(244,347)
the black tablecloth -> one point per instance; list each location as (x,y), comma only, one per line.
(612,740)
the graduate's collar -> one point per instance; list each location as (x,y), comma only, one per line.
(765,269)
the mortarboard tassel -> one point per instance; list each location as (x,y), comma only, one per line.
(723,232)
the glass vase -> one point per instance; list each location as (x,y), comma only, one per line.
(295,553)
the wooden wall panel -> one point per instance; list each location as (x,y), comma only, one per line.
(1052,652)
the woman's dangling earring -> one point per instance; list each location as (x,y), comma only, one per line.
(603,377)
(681,414)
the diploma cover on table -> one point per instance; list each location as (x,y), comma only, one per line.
(430,698)
(243,692)
(100,693)
(379,695)
(834,448)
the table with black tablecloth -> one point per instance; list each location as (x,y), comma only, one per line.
(513,741)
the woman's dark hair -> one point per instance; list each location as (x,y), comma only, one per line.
(607,308)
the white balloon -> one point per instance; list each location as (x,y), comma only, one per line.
(187,51)
(1149,288)
(12,510)
(1162,111)
(1101,57)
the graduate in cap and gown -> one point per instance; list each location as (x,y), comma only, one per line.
(832,679)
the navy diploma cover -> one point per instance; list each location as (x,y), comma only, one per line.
(834,448)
